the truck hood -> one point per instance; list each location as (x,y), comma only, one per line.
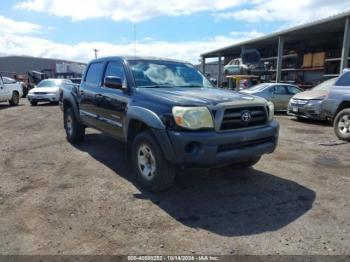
(196,96)
(308,95)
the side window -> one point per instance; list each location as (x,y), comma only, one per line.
(280,90)
(292,90)
(115,69)
(93,76)
(344,80)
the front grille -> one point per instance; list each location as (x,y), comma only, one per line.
(40,93)
(233,117)
(241,145)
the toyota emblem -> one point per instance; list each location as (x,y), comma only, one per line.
(246,116)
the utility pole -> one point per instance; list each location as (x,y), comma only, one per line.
(96,51)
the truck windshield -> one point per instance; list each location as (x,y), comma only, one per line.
(155,74)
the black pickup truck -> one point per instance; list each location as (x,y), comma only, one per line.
(169,115)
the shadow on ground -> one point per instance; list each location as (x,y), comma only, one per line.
(312,122)
(224,201)
(304,120)
(5,105)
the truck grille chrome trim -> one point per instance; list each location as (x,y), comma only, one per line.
(235,118)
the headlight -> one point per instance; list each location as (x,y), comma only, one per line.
(193,117)
(271,110)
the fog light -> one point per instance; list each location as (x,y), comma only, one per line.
(192,148)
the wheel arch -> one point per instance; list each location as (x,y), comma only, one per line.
(139,118)
(69,102)
(343,105)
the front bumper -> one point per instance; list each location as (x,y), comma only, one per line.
(210,148)
(43,97)
(311,110)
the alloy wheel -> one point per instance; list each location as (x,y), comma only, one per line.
(146,162)
(344,124)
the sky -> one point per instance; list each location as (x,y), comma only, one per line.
(178,29)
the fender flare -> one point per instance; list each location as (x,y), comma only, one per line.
(143,115)
(158,128)
(72,101)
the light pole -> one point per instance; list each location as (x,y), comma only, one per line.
(95,50)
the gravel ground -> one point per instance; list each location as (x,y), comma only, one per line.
(59,199)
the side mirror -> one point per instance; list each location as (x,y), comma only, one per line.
(113,82)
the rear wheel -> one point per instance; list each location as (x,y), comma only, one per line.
(15,99)
(152,170)
(342,125)
(247,164)
(74,129)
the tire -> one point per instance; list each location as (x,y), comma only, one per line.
(246,164)
(75,131)
(342,125)
(15,99)
(33,103)
(160,174)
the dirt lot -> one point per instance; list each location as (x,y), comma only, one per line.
(56,198)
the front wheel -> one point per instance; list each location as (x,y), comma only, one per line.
(153,171)
(342,125)
(74,129)
(15,99)
(33,103)
(248,163)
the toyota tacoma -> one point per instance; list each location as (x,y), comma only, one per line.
(169,115)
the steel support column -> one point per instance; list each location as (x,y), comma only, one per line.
(203,65)
(219,72)
(279,59)
(346,46)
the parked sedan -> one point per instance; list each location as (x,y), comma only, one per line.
(308,104)
(278,93)
(47,91)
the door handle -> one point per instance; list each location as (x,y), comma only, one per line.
(98,96)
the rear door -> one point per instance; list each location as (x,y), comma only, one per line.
(112,102)
(88,91)
(280,97)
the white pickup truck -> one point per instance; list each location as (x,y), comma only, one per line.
(10,91)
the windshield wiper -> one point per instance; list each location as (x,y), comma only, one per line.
(191,86)
(157,86)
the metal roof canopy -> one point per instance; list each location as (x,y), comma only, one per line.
(323,27)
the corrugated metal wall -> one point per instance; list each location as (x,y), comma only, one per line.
(23,64)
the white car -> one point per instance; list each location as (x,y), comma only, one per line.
(10,90)
(47,90)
